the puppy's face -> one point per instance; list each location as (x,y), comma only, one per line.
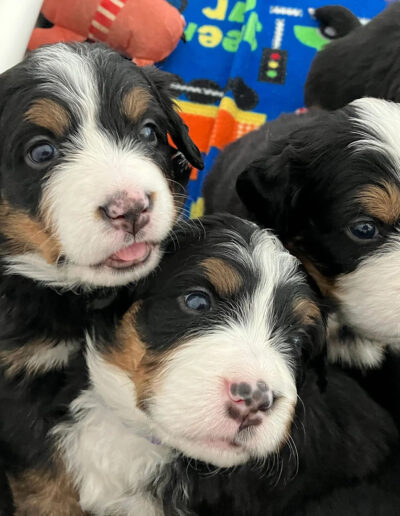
(336,204)
(89,182)
(217,344)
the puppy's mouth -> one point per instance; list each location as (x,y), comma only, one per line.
(131,256)
(222,444)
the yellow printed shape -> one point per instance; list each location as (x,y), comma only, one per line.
(210,36)
(197,208)
(218,12)
(244,117)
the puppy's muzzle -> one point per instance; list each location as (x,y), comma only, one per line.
(127,212)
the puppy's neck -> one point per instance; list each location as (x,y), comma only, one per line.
(349,348)
(36,310)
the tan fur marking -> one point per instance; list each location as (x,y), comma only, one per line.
(26,234)
(18,360)
(142,366)
(50,115)
(306,310)
(326,285)
(135,103)
(225,278)
(45,493)
(381,202)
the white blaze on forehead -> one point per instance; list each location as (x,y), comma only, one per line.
(276,267)
(378,126)
(190,402)
(71,77)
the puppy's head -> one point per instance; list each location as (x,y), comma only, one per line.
(89,182)
(212,354)
(332,192)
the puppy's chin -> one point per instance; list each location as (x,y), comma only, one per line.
(220,453)
(69,275)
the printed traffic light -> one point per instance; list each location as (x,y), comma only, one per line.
(273,66)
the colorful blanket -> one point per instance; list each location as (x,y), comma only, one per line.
(244,62)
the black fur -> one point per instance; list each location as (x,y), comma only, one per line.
(364,62)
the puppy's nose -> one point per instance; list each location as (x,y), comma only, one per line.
(126,212)
(247,402)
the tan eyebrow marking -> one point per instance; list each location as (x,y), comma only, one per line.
(306,310)
(225,278)
(135,103)
(381,201)
(49,114)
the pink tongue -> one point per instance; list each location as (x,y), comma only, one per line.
(136,251)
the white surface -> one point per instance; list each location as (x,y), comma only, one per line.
(17,21)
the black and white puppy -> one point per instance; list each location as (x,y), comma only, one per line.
(329,185)
(208,363)
(89,187)
(364,62)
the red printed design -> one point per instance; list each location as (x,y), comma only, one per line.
(106,13)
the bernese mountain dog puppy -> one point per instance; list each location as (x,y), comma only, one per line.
(364,62)
(89,187)
(215,365)
(328,184)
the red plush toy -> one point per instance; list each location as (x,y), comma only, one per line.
(145,30)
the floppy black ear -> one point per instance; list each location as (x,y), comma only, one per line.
(264,189)
(159,83)
(336,21)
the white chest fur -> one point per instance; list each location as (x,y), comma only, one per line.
(107,447)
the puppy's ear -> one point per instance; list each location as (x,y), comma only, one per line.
(159,83)
(336,21)
(264,188)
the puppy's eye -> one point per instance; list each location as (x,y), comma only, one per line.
(41,153)
(148,133)
(363,230)
(197,301)
(297,340)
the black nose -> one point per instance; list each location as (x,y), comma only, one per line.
(127,213)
